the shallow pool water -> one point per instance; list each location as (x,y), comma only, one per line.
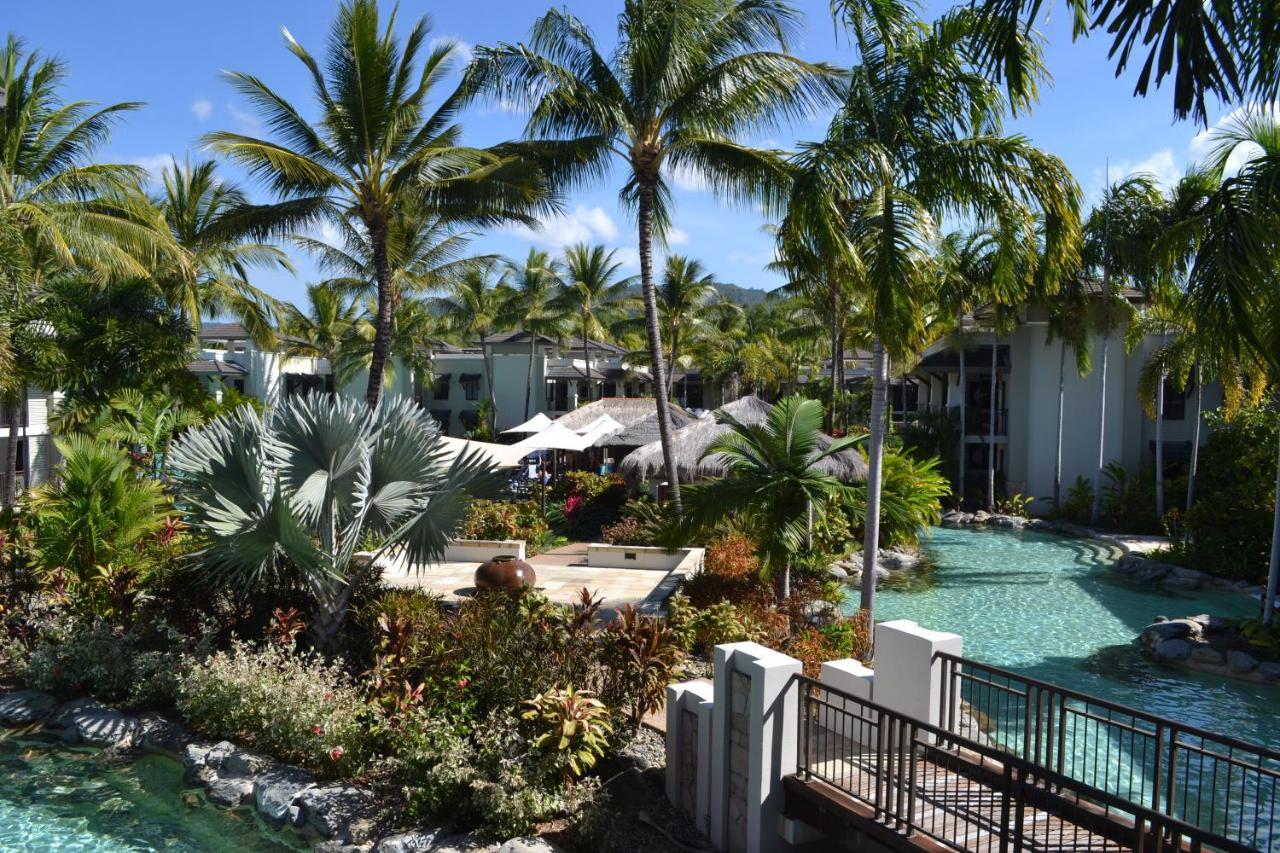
(54,798)
(1048,607)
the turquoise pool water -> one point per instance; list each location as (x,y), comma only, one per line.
(53,798)
(1047,607)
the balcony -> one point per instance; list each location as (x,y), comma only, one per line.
(978,422)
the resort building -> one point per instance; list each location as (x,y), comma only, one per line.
(36,452)
(1027,368)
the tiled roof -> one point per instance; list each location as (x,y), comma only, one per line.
(216,367)
(223,331)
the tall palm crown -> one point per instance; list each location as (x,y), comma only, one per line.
(536,299)
(375,144)
(324,330)
(594,293)
(685,79)
(686,288)
(204,213)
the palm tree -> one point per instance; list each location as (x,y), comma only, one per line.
(301,493)
(476,303)
(919,134)
(685,290)
(149,423)
(324,330)
(773,482)
(374,145)
(536,299)
(59,209)
(593,292)
(1231,285)
(685,78)
(203,211)
(1068,323)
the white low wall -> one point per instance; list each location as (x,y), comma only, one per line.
(635,557)
(479,550)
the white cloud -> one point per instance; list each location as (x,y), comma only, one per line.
(1162,165)
(1203,143)
(628,257)
(248,122)
(583,225)
(676,237)
(753,259)
(202,107)
(155,164)
(688,180)
(462,50)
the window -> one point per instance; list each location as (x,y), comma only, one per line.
(440,388)
(1175,400)
(471,386)
(238,384)
(441,417)
(469,419)
(558,395)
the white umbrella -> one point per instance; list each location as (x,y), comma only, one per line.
(602,425)
(593,435)
(537,423)
(497,455)
(554,437)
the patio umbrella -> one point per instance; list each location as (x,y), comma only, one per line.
(497,455)
(602,425)
(553,438)
(537,423)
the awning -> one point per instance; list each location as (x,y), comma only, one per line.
(537,423)
(497,455)
(554,437)
(469,377)
(601,426)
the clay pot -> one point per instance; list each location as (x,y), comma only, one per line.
(505,572)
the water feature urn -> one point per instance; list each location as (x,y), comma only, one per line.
(505,571)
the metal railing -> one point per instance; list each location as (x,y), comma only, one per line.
(921,779)
(1218,784)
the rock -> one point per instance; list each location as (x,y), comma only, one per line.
(462,844)
(1173,650)
(1011,522)
(1175,583)
(330,811)
(408,842)
(528,845)
(339,847)
(276,788)
(1177,629)
(241,763)
(896,559)
(86,721)
(1184,572)
(230,792)
(1206,654)
(1269,670)
(23,707)
(836,572)
(980,517)
(194,755)
(163,737)
(1241,661)
(218,753)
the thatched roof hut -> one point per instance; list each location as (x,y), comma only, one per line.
(691,441)
(644,430)
(624,410)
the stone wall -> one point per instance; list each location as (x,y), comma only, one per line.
(739,754)
(689,763)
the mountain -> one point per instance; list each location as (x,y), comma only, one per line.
(744,296)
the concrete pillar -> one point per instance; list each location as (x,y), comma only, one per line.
(690,744)
(851,677)
(755,725)
(908,677)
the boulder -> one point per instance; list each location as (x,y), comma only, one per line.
(1130,564)
(897,559)
(218,753)
(1174,629)
(835,571)
(409,842)
(276,788)
(528,845)
(242,763)
(1241,661)
(1179,584)
(1269,670)
(163,737)
(1011,522)
(230,792)
(329,811)
(980,517)
(85,721)
(1173,650)
(1184,572)
(23,707)
(462,844)
(1207,654)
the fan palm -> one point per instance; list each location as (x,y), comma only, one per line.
(204,212)
(594,293)
(536,299)
(685,78)
(773,481)
(375,145)
(474,305)
(301,493)
(920,135)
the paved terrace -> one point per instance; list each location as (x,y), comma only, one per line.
(641,577)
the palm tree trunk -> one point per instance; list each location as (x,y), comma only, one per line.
(645,217)
(1057,451)
(671,365)
(486,353)
(11,452)
(386,309)
(1160,448)
(1096,512)
(586,353)
(1195,442)
(835,352)
(964,456)
(843,416)
(1273,572)
(991,430)
(528,379)
(327,619)
(875,458)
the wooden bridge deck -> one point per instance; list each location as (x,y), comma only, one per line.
(954,802)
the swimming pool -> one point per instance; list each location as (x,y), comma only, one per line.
(82,801)
(1048,607)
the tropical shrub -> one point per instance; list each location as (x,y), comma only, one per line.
(1229,525)
(591,501)
(911,498)
(626,531)
(571,729)
(1078,504)
(487,519)
(640,656)
(291,705)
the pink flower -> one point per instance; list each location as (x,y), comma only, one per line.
(336,753)
(463,682)
(316,729)
(573,504)
(328,697)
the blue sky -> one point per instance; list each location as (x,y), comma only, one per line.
(169,55)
